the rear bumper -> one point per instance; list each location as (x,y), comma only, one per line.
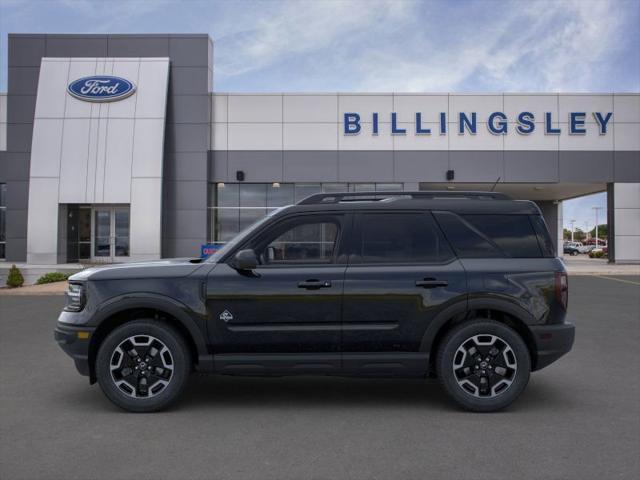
(75,343)
(552,342)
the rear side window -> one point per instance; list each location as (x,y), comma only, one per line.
(513,234)
(465,239)
(544,239)
(401,238)
(482,236)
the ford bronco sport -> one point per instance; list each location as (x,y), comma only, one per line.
(464,286)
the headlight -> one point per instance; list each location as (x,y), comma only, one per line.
(75,297)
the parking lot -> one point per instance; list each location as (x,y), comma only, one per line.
(579,418)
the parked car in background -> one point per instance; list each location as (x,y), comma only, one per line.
(571,248)
(586,248)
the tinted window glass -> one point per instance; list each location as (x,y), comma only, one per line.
(305,242)
(513,234)
(402,237)
(467,241)
(544,239)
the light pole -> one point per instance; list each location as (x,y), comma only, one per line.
(596,209)
(572,223)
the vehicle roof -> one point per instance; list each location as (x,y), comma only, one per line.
(460,202)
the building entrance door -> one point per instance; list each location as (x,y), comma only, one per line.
(110,234)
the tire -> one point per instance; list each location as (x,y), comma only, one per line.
(574,253)
(506,374)
(161,352)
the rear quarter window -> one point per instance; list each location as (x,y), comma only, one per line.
(490,236)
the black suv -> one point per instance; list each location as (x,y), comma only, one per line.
(464,286)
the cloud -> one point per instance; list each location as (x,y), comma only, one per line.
(274,33)
(432,46)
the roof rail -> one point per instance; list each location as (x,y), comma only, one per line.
(321,198)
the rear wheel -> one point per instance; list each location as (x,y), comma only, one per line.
(142,366)
(483,365)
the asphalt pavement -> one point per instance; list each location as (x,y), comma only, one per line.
(578,418)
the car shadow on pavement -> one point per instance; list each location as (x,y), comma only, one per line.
(206,392)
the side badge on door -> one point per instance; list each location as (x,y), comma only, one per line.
(226,316)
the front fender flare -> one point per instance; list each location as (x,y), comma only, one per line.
(181,312)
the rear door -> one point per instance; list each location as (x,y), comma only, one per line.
(401,273)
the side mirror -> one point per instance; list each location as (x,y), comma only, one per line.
(245,260)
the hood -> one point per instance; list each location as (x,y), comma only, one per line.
(166,268)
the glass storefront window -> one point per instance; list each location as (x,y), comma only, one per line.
(305,189)
(234,206)
(280,194)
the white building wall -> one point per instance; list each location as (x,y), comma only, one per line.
(314,121)
(98,153)
(626,202)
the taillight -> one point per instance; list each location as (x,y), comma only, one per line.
(562,289)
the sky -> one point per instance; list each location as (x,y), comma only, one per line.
(378,45)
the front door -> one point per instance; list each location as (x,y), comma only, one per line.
(110,229)
(401,274)
(285,314)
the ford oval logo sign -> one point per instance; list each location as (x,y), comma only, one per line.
(101,88)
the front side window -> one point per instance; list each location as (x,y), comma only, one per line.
(401,238)
(302,241)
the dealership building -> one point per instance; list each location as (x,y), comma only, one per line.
(118,148)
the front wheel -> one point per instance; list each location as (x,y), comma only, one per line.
(483,365)
(143,365)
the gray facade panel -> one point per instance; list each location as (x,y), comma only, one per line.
(186,223)
(187,137)
(17,195)
(76,46)
(365,166)
(477,166)
(310,166)
(16,226)
(626,166)
(426,166)
(26,50)
(185,195)
(22,108)
(185,166)
(4,166)
(218,166)
(15,167)
(16,249)
(530,166)
(189,51)
(182,247)
(257,165)
(19,138)
(189,109)
(23,80)
(188,80)
(586,166)
(138,46)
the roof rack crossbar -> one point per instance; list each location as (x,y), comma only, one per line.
(322,198)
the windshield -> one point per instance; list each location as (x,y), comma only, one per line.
(240,237)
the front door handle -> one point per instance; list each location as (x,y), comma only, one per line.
(431,283)
(314,284)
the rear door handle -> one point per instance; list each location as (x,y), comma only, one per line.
(431,283)
(314,284)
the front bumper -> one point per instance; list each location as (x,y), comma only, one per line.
(74,340)
(552,342)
